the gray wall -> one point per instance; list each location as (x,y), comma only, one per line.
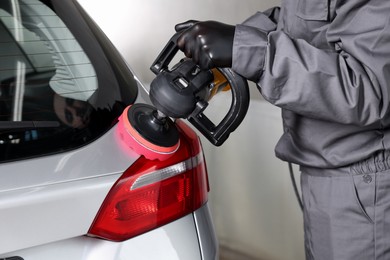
(141,28)
(254,208)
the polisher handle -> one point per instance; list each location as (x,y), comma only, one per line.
(166,55)
(217,134)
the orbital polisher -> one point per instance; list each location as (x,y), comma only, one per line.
(182,91)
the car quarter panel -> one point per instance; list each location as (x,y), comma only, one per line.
(57,197)
(175,241)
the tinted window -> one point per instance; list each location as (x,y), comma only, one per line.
(62,84)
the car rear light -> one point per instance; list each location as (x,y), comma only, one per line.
(152,193)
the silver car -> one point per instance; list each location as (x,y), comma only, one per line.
(66,173)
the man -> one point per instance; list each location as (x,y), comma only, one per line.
(326,63)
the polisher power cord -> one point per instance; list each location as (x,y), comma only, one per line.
(294,183)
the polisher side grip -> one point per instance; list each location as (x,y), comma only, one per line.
(218,134)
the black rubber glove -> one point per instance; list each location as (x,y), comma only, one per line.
(209,44)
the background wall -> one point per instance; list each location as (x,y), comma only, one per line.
(253,204)
(141,28)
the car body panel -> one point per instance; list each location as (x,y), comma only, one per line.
(60,194)
(40,215)
(207,240)
(104,156)
(175,241)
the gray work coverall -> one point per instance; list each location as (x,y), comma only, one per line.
(326,63)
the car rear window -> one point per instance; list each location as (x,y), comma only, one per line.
(62,84)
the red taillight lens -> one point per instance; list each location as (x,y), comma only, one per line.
(153,193)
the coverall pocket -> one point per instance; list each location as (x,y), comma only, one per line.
(338,213)
(315,10)
(364,191)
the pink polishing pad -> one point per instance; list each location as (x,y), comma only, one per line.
(140,145)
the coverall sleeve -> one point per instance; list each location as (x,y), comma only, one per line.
(347,83)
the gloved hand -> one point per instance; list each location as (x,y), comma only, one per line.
(209,44)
